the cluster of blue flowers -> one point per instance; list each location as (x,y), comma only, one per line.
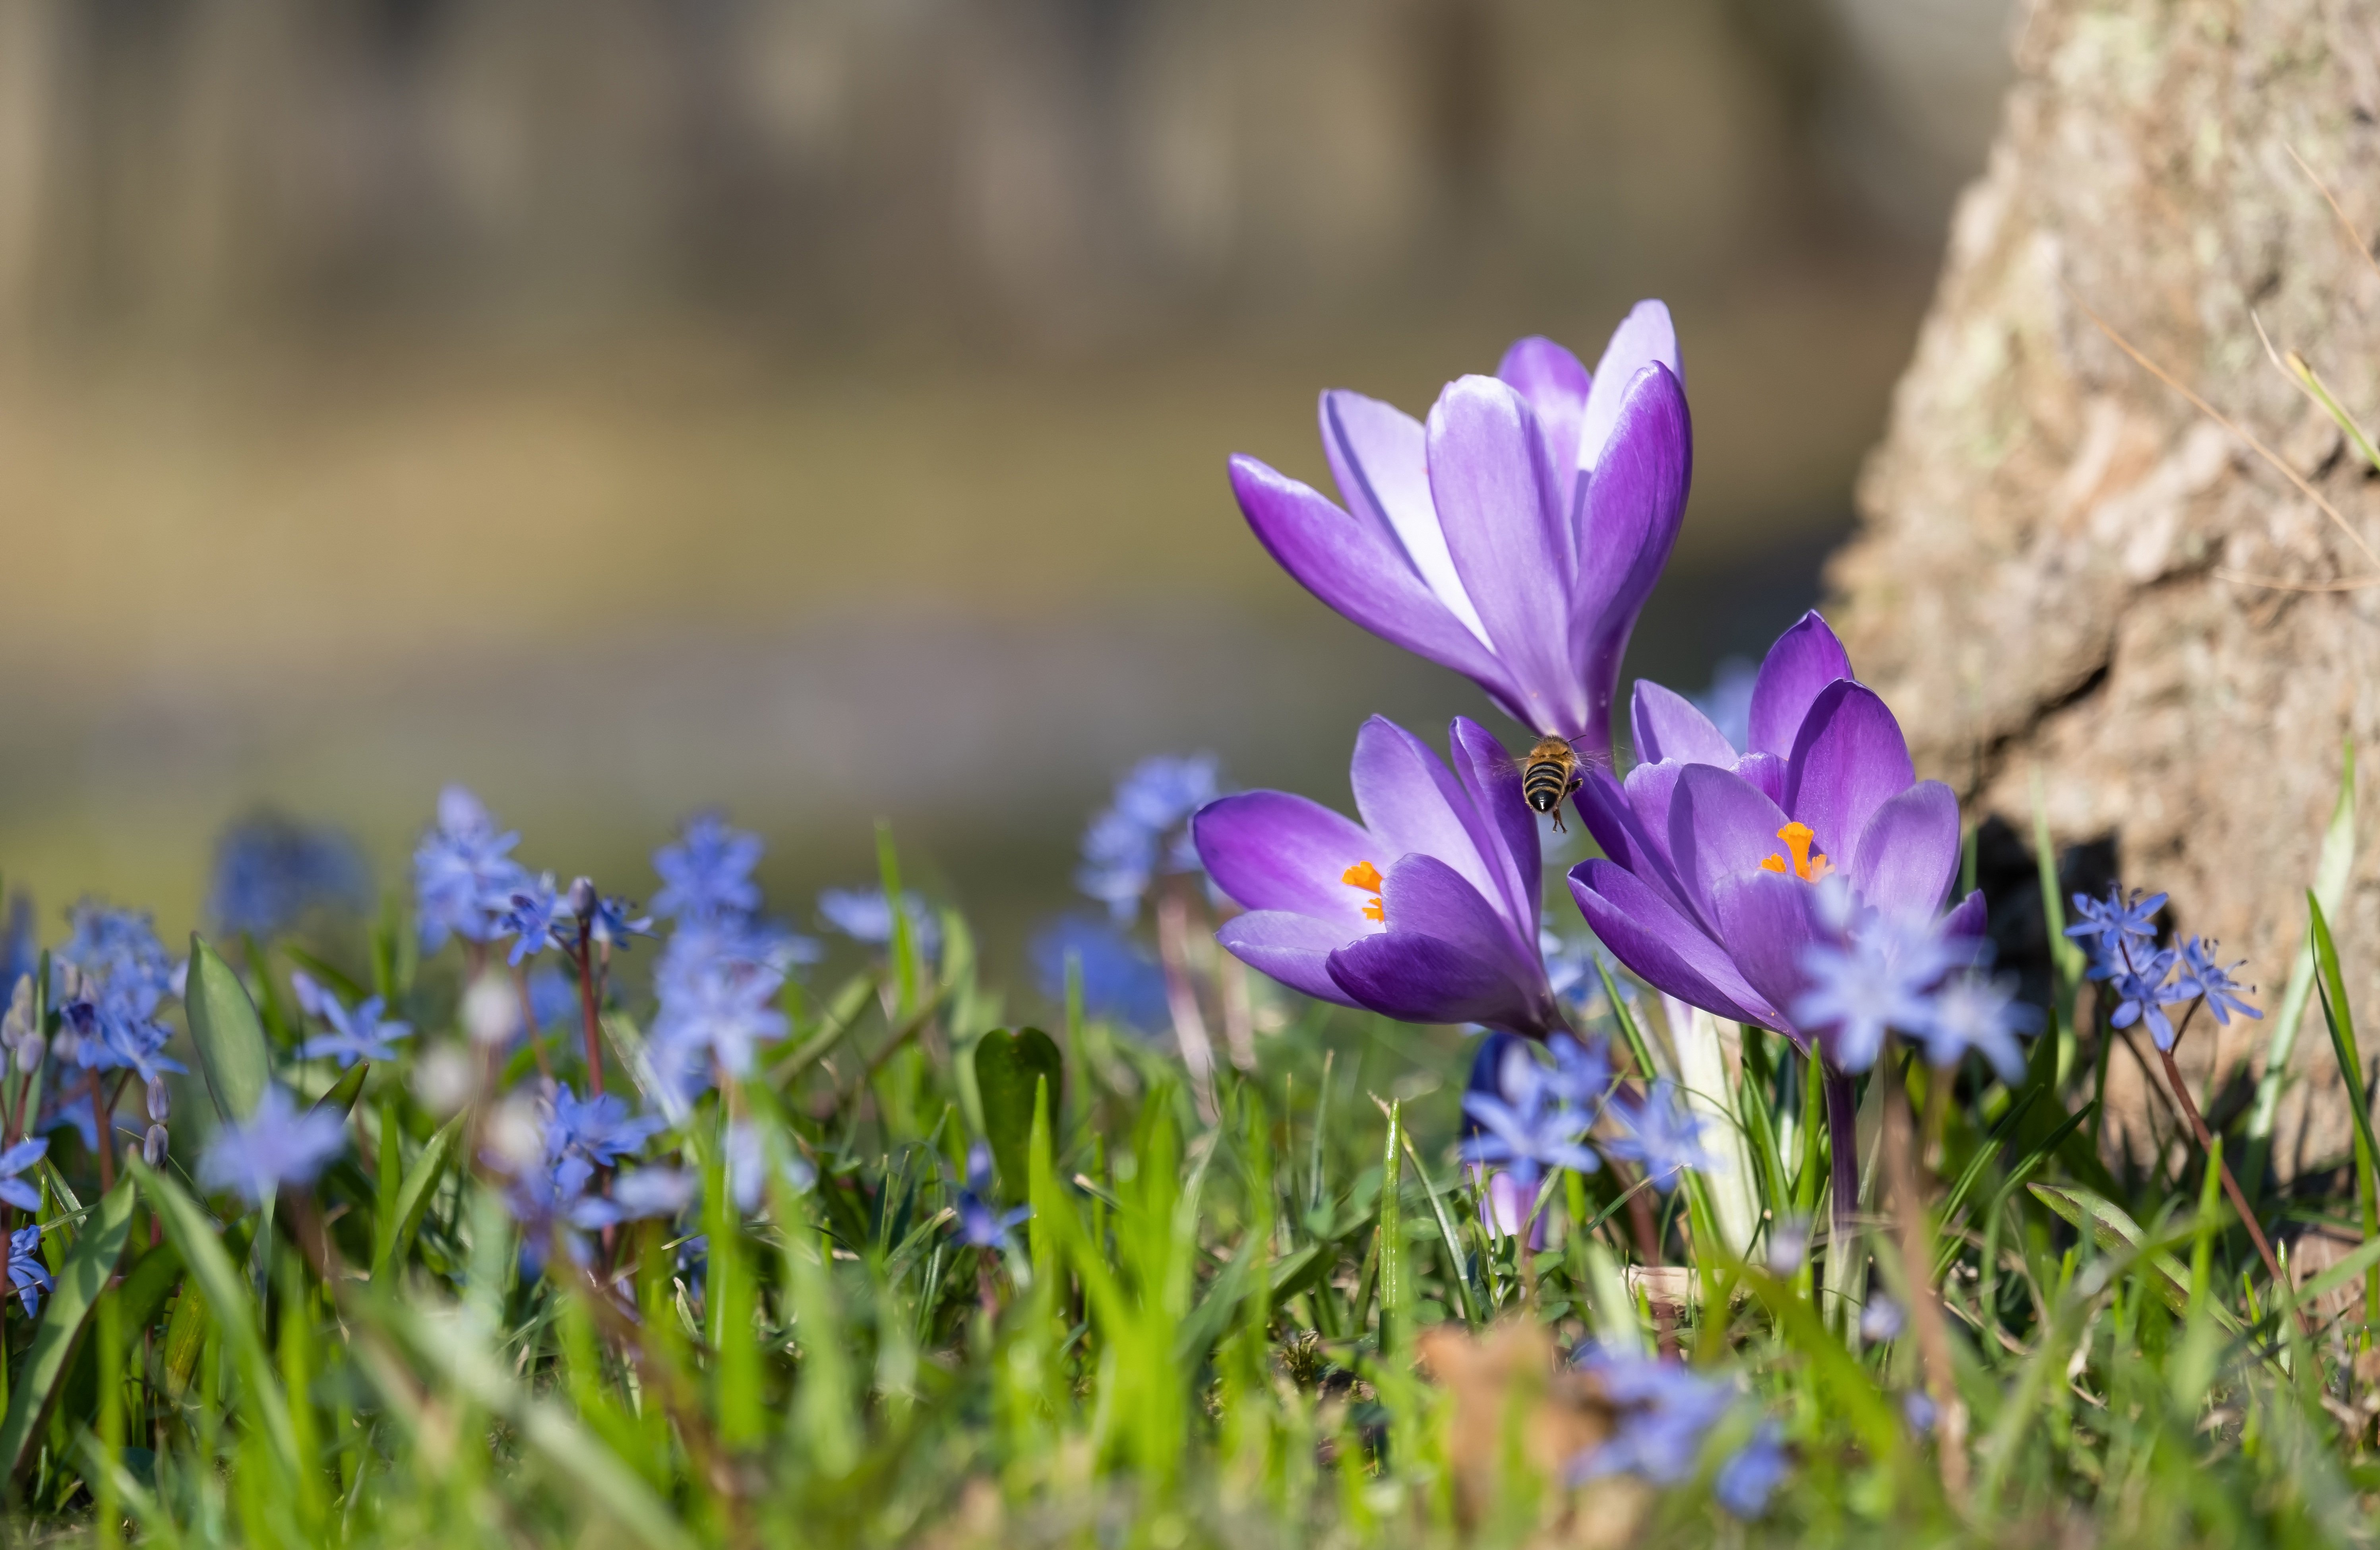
(1144,833)
(269,871)
(2142,979)
(724,966)
(109,981)
(1667,1412)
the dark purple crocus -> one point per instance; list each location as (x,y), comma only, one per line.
(1427,910)
(1515,535)
(1724,869)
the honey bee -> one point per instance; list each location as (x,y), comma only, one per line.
(1549,775)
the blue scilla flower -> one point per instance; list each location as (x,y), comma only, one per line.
(1518,1120)
(2201,976)
(269,871)
(2109,926)
(1582,1075)
(16,1191)
(745,1153)
(463,876)
(603,1130)
(717,985)
(1878,980)
(67,1106)
(864,915)
(553,996)
(26,1275)
(1144,832)
(540,918)
(2139,984)
(1746,1480)
(1661,1136)
(613,921)
(1666,1410)
(279,1145)
(980,1222)
(359,1035)
(707,869)
(1121,981)
(1973,1011)
(1570,964)
(119,950)
(1728,701)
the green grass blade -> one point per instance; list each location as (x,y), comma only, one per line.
(233,1054)
(395,1233)
(2331,871)
(80,1282)
(2340,1019)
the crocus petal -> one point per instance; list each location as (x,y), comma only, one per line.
(1511,544)
(1660,946)
(1293,948)
(1645,336)
(1268,850)
(1628,521)
(1768,772)
(1805,659)
(1378,454)
(1493,782)
(1555,383)
(1620,834)
(1670,726)
(1721,827)
(1909,853)
(1849,759)
(1968,921)
(1426,897)
(1410,803)
(1421,979)
(1352,565)
(1766,921)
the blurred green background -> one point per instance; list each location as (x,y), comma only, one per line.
(819,407)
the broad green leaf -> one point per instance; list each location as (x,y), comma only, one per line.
(1008,1068)
(231,1052)
(395,1233)
(197,1236)
(79,1281)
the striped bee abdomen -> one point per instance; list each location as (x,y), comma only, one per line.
(1546,778)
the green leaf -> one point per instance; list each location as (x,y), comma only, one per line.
(79,1281)
(1007,1068)
(198,1238)
(394,1234)
(231,1052)
(2112,1226)
(342,1096)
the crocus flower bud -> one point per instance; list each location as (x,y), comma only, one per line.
(583,898)
(161,1102)
(492,1012)
(153,1146)
(20,1021)
(30,1052)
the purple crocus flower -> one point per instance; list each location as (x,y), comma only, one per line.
(1710,891)
(1425,911)
(1515,535)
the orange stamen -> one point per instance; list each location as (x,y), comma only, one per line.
(1366,876)
(1808,868)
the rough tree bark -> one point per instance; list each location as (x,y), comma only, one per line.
(2045,578)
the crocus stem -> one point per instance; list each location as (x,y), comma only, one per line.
(587,1015)
(1843,1142)
(1182,1001)
(1901,1161)
(2188,1109)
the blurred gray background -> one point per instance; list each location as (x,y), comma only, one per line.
(819,407)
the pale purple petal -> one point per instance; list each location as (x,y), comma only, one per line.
(1651,789)
(1555,383)
(1721,827)
(1411,802)
(1268,850)
(1645,336)
(1293,948)
(1768,772)
(1849,759)
(1426,897)
(1805,661)
(1628,520)
(1493,782)
(1422,979)
(1768,921)
(1670,726)
(1353,566)
(1495,498)
(1620,834)
(1660,946)
(1909,853)
(1378,455)
(1969,921)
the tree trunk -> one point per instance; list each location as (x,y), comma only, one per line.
(2049,574)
